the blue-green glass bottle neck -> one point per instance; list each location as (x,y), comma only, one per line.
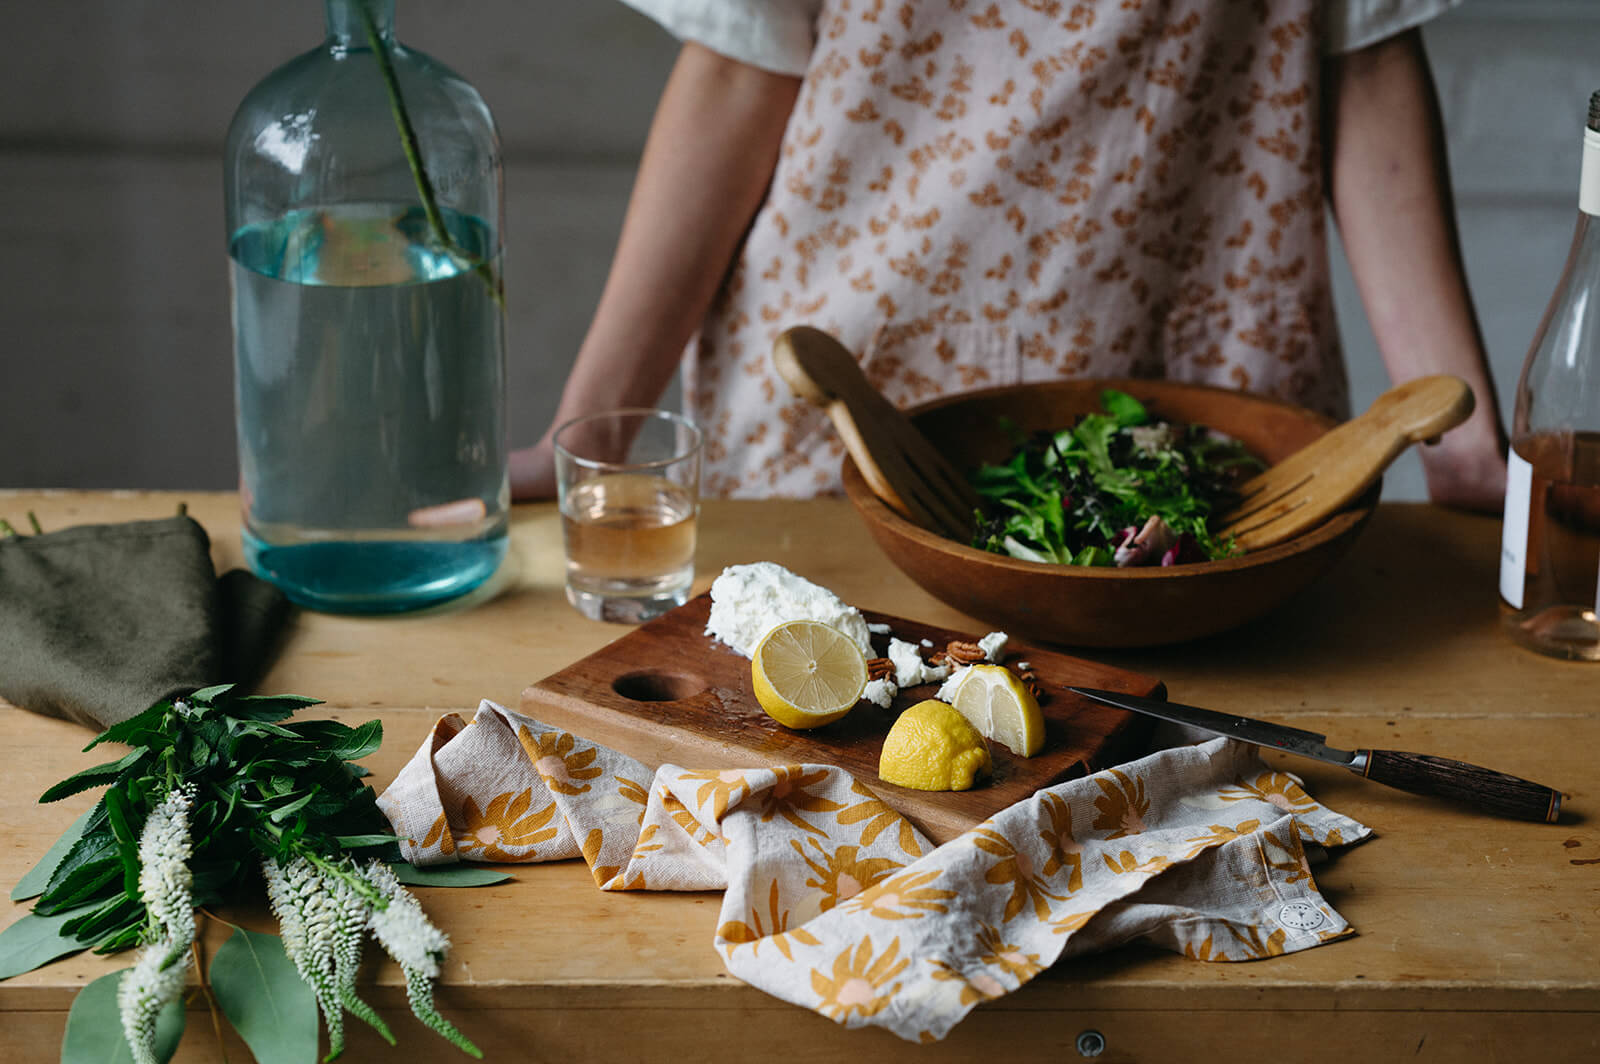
(347,28)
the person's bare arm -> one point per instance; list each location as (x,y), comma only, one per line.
(707,161)
(1390,188)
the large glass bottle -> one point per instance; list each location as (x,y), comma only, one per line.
(1550,549)
(363,196)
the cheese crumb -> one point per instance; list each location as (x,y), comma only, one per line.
(748,601)
(909,668)
(880,692)
(993,645)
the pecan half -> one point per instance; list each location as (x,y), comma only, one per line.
(965,653)
(879,668)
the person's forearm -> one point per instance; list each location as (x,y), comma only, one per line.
(1390,189)
(706,165)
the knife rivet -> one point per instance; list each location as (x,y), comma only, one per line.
(1091,1043)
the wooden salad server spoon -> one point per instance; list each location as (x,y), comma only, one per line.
(898,463)
(1333,470)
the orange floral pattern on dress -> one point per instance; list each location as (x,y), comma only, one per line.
(1153,187)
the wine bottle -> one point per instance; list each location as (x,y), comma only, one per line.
(1550,542)
(364,221)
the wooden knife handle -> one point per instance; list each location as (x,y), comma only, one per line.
(1493,792)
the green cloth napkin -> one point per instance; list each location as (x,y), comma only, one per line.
(99,622)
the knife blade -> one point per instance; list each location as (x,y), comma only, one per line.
(1490,791)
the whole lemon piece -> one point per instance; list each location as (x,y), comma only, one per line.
(997,703)
(931,747)
(807,674)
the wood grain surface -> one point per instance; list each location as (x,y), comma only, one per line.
(667,692)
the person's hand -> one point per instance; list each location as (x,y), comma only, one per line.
(1466,468)
(533,472)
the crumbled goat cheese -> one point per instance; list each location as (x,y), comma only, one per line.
(928,643)
(909,668)
(947,690)
(878,629)
(993,645)
(748,601)
(880,692)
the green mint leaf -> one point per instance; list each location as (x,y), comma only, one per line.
(98,776)
(261,993)
(209,695)
(37,878)
(139,725)
(94,1026)
(1123,408)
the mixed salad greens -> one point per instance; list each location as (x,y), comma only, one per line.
(1118,488)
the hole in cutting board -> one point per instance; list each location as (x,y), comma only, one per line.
(657,686)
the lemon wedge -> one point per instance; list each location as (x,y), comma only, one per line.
(931,747)
(994,699)
(807,674)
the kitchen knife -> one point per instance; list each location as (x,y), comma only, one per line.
(1492,792)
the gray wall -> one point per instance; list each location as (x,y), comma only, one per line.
(115,358)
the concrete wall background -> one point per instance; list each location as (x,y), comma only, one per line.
(115,365)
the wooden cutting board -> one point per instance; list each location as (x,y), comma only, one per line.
(667,692)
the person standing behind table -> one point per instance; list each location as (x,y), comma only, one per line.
(973,194)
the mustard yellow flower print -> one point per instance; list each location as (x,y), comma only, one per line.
(1071,922)
(774,929)
(717,787)
(859,983)
(996,952)
(975,986)
(634,792)
(788,797)
(842,873)
(1017,868)
(879,818)
(1066,854)
(492,834)
(440,834)
(902,897)
(552,754)
(1277,788)
(1255,946)
(1122,804)
(1125,863)
(1286,855)
(685,819)
(1203,951)
(1218,834)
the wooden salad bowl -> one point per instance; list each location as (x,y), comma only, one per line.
(1107,607)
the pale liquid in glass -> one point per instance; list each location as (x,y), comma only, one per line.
(630,545)
(1562,576)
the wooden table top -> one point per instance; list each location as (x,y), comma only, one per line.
(1475,936)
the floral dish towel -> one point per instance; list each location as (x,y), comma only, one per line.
(834,901)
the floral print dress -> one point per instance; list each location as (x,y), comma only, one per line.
(977,194)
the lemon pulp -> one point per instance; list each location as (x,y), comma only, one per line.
(997,703)
(807,674)
(931,747)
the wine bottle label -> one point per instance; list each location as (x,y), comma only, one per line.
(1589,181)
(1514,530)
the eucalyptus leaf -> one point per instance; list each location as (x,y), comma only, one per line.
(209,694)
(36,940)
(94,1026)
(38,877)
(259,990)
(451,875)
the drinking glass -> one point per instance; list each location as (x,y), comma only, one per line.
(628,482)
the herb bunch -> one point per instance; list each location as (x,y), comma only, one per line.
(1071,496)
(220,794)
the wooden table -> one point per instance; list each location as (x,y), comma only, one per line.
(1477,938)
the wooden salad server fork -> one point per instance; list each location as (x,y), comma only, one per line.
(1333,470)
(898,463)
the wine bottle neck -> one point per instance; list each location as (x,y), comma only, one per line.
(347,28)
(1589,183)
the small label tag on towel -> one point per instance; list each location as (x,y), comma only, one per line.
(1301,916)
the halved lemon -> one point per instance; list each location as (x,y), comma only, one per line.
(807,674)
(994,699)
(931,747)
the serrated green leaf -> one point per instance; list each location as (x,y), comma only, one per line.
(98,776)
(82,885)
(38,877)
(35,940)
(208,695)
(261,993)
(269,707)
(361,742)
(452,875)
(137,724)
(94,1026)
